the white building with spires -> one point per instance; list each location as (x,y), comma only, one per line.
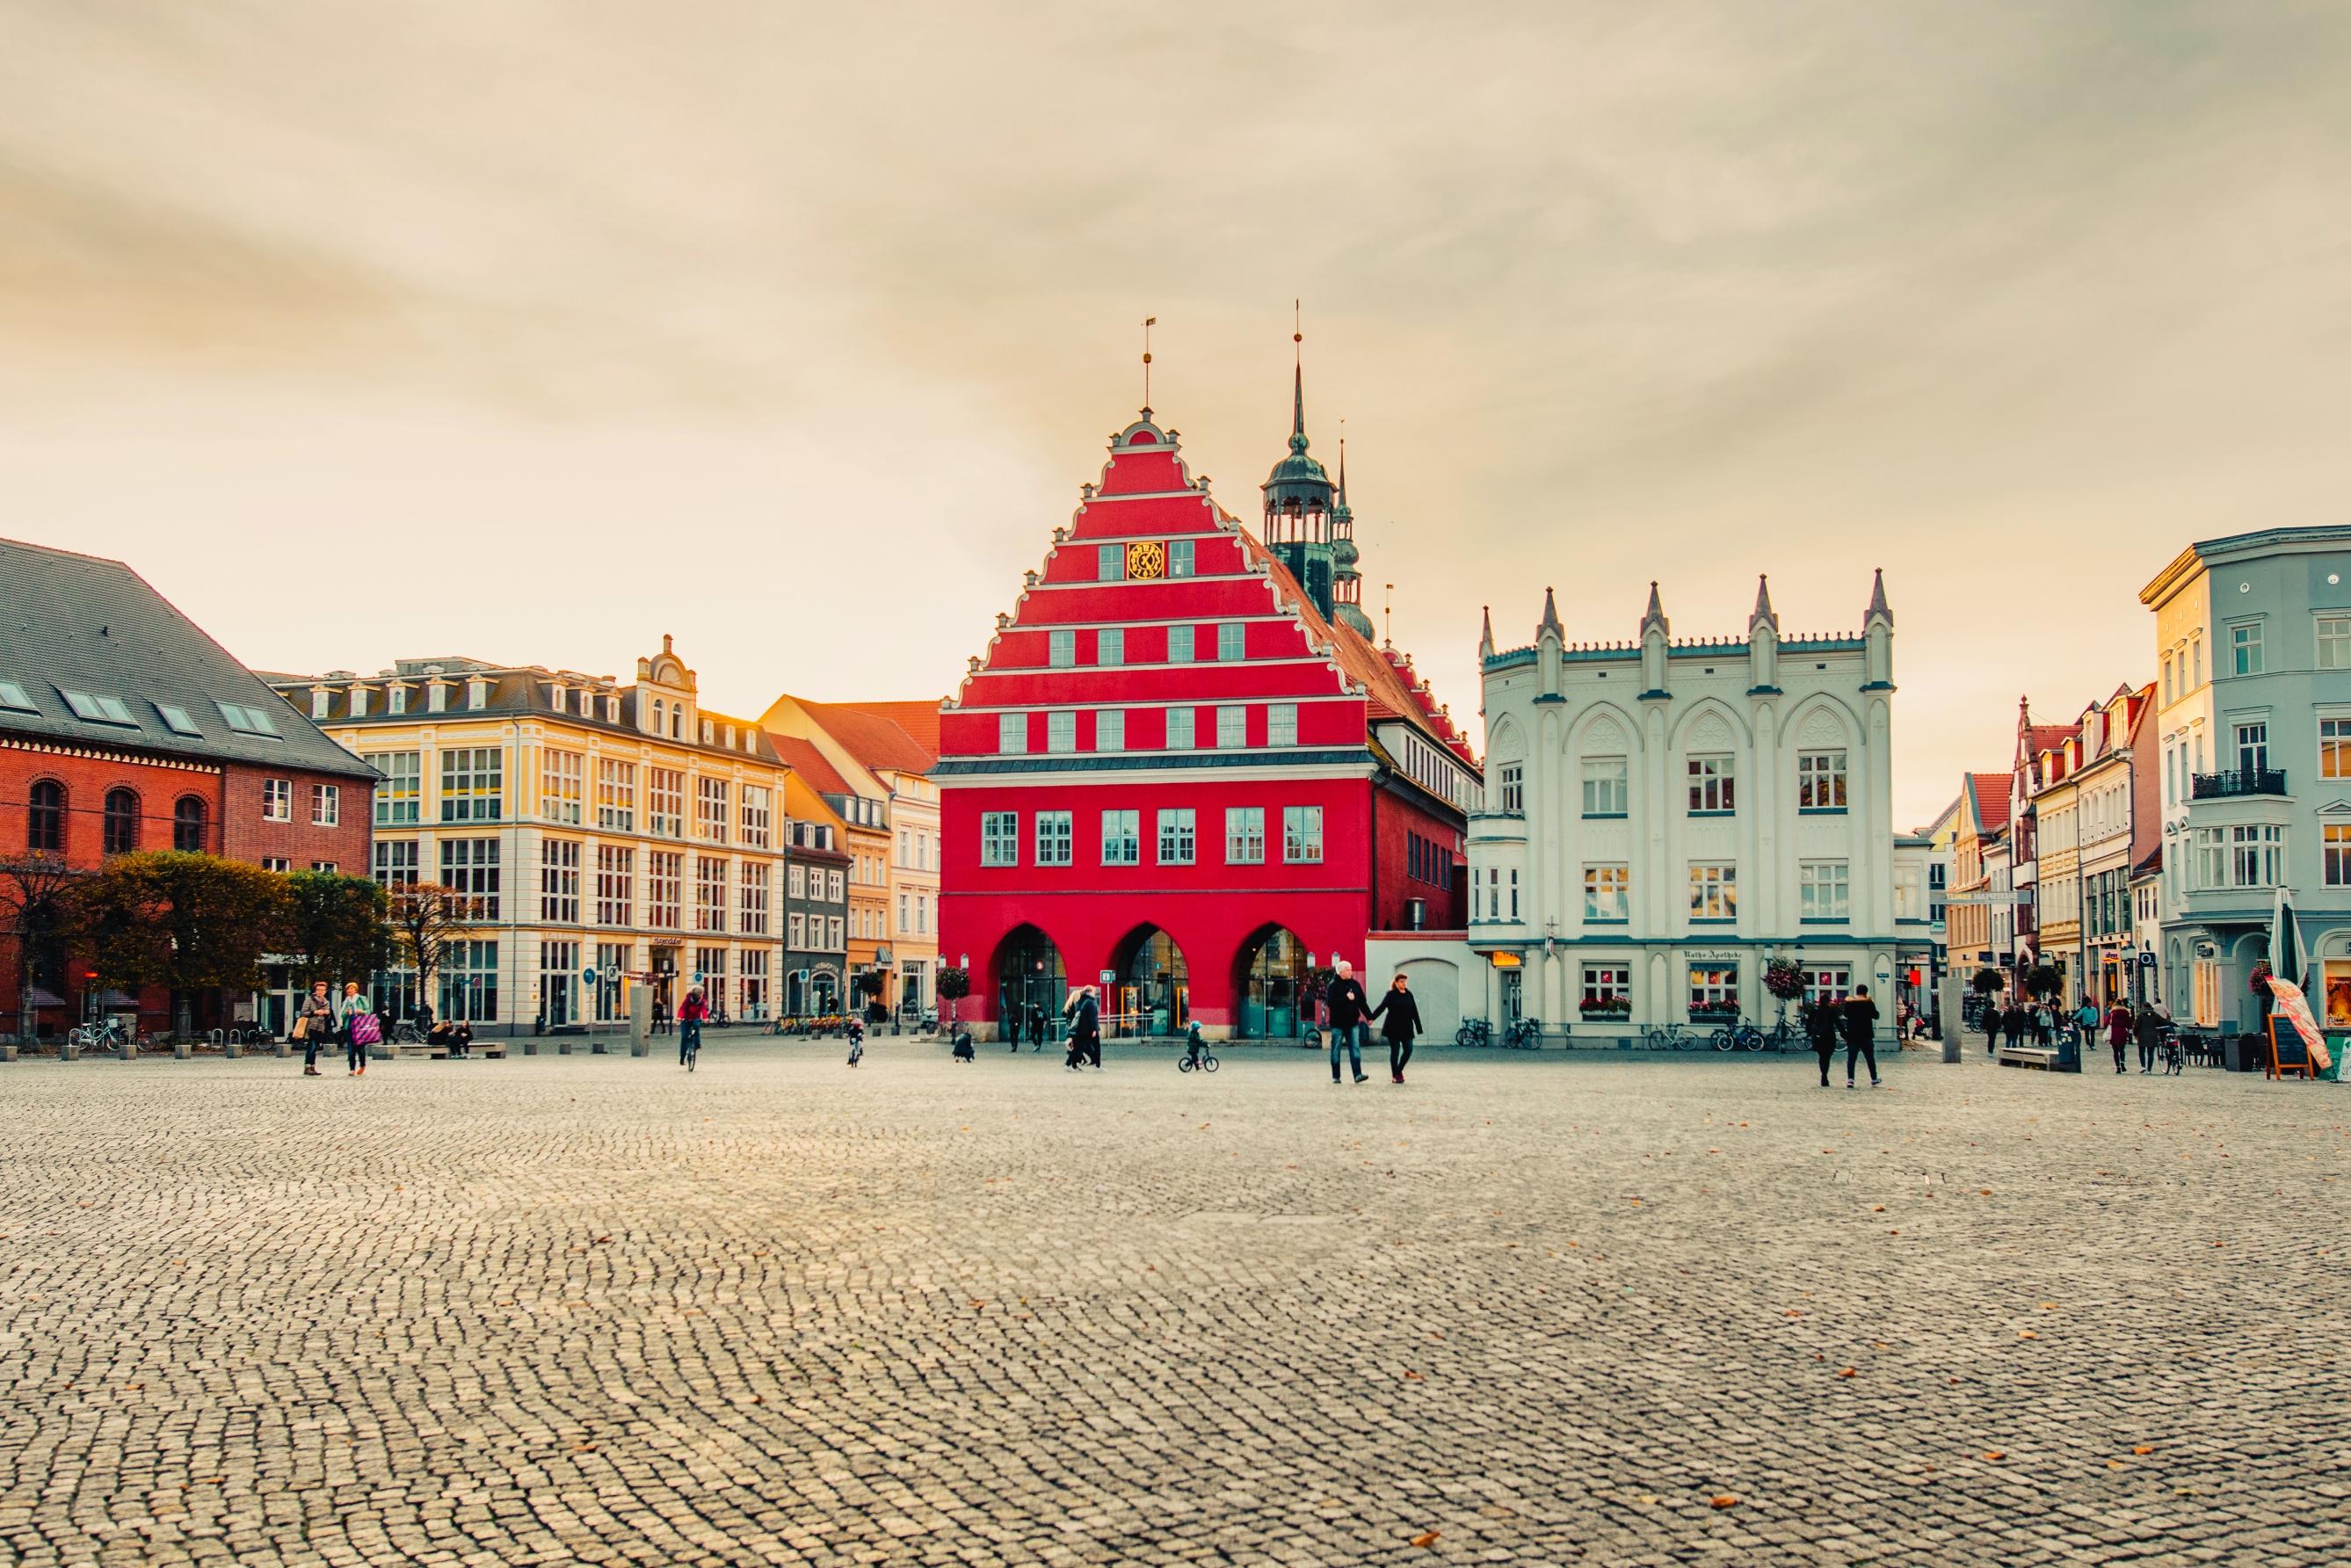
(1665,816)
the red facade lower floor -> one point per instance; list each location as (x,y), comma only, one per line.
(1234,963)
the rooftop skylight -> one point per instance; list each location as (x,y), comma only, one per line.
(177,721)
(245,720)
(97,710)
(12,696)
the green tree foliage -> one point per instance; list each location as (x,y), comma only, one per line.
(336,926)
(165,917)
(1989,980)
(2045,982)
(35,906)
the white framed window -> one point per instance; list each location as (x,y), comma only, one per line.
(1110,729)
(796,881)
(999,838)
(2257,855)
(835,886)
(1179,645)
(276,862)
(1711,784)
(560,777)
(921,913)
(2334,642)
(1512,777)
(1514,894)
(398,799)
(710,893)
(1232,641)
(665,802)
(832,926)
(1819,781)
(754,909)
(756,816)
(1608,988)
(1714,893)
(1302,835)
(616,885)
(1110,646)
(1061,731)
(796,930)
(2335,748)
(1110,563)
(1175,836)
(473,784)
(1824,890)
(277,800)
(1605,790)
(1053,837)
(1244,835)
(471,867)
(1061,649)
(665,890)
(395,862)
(1281,723)
(1011,733)
(1182,555)
(2338,854)
(1232,728)
(1607,894)
(558,881)
(616,795)
(2245,648)
(710,809)
(1179,728)
(326,805)
(1714,991)
(1122,838)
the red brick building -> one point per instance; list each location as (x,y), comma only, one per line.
(124,726)
(1183,761)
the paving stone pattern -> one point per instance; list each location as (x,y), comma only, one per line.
(1525,1309)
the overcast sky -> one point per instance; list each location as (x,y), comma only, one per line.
(533,332)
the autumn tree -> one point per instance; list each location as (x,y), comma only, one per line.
(167,917)
(35,910)
(336,926)
(429,922)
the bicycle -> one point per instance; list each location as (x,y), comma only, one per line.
(1196,1056)
(406,1032)
(1474,1031)
(94,1037)
(1524,1035)
(1667,1037)
(694,1053)
(1739,1035)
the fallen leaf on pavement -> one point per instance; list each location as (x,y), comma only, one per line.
(1428,1539)
(1726,1503)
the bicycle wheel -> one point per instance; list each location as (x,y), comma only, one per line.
(1183,1064)
(1724,1040)
(1209,1062)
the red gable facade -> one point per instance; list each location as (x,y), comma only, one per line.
(1178,765)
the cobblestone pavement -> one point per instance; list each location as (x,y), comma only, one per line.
(1526,1307)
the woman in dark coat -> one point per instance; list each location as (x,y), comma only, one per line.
(1820,1029)
(1399,1019)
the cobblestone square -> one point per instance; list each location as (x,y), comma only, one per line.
(1526,1307)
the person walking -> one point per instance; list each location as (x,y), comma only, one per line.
(690,1014)
(1399,1017)
(2011,1022)
(1858,1016)
(2147,1029)
(347,1015)
(1349,1008)
(1991,1026)
(314,1026)
(1820,1029)
(1084,1014)
(2119,1026)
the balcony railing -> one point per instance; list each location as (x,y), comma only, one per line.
(2237,781)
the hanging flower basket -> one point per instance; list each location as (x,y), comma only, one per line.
(1785,978)
(2259,980)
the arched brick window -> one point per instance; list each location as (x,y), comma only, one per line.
(121,822)
(188,825)
(44,822)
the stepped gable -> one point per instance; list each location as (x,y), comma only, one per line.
(1147,497)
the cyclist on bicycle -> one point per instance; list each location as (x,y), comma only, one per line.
(690,1014)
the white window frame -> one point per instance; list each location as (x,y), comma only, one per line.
(1244,835)
(999,838)
(1178,836)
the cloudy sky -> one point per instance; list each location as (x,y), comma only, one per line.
(533,332)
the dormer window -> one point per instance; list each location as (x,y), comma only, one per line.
(660,710)
(359,702)
(555,697)
(322,700)
(708,728)
(730,738)
(612,710)
(436,696)
(396,699)
(478,694)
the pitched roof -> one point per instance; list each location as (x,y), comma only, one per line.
(810,763)
(919,720)
(877,740)
(1989,791)
(80,623)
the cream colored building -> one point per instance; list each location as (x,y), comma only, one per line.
(604,828)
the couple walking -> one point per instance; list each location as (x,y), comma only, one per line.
(323,1021)
(1351,1022)
(1855,1019)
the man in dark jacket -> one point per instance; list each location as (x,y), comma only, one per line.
(1399,1017)
(1858,1015)
(1349,1008)
(1085,1031)
(1820,1029)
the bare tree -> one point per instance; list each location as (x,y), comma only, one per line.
(429,921)
(33,903)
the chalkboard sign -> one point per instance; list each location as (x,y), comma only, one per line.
(2289,1052)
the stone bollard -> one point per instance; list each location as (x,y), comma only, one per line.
(8,1051)
(182,1051)
(530,1048)
(70,1051)
(232,1050)
(563,1047)
(130,1051)
(640,1019)
(285,1049)
(1952,1003)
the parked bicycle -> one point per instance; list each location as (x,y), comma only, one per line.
(1739,1035)
(1524,1035)
(406,1032)
(1669,1037)
(1474,1031)
(107,1036)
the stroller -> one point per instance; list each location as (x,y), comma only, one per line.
(856,1042)
(1196,1057)
(962,1051)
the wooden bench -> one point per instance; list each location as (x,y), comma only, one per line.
(2039,1057)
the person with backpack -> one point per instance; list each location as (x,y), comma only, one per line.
(1820,1030)
(1349,1009)
(690,1014)
(1858,1016)
(1399,1017)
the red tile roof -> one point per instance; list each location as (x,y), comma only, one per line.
(918,720)
(808,762)
(877,740)
(1991,792)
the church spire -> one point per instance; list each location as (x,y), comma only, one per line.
(1486,638)
(1656,614)
(1764,613)
(1878,606)
(1550,621)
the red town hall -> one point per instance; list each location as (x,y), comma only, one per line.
(1184,763)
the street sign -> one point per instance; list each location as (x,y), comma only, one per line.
(588,976)
(611,974)
(1989,898)
(2146,960)
(698,977)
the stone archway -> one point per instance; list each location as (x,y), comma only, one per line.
(1273,970)
(1153,986)
(1032,984)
